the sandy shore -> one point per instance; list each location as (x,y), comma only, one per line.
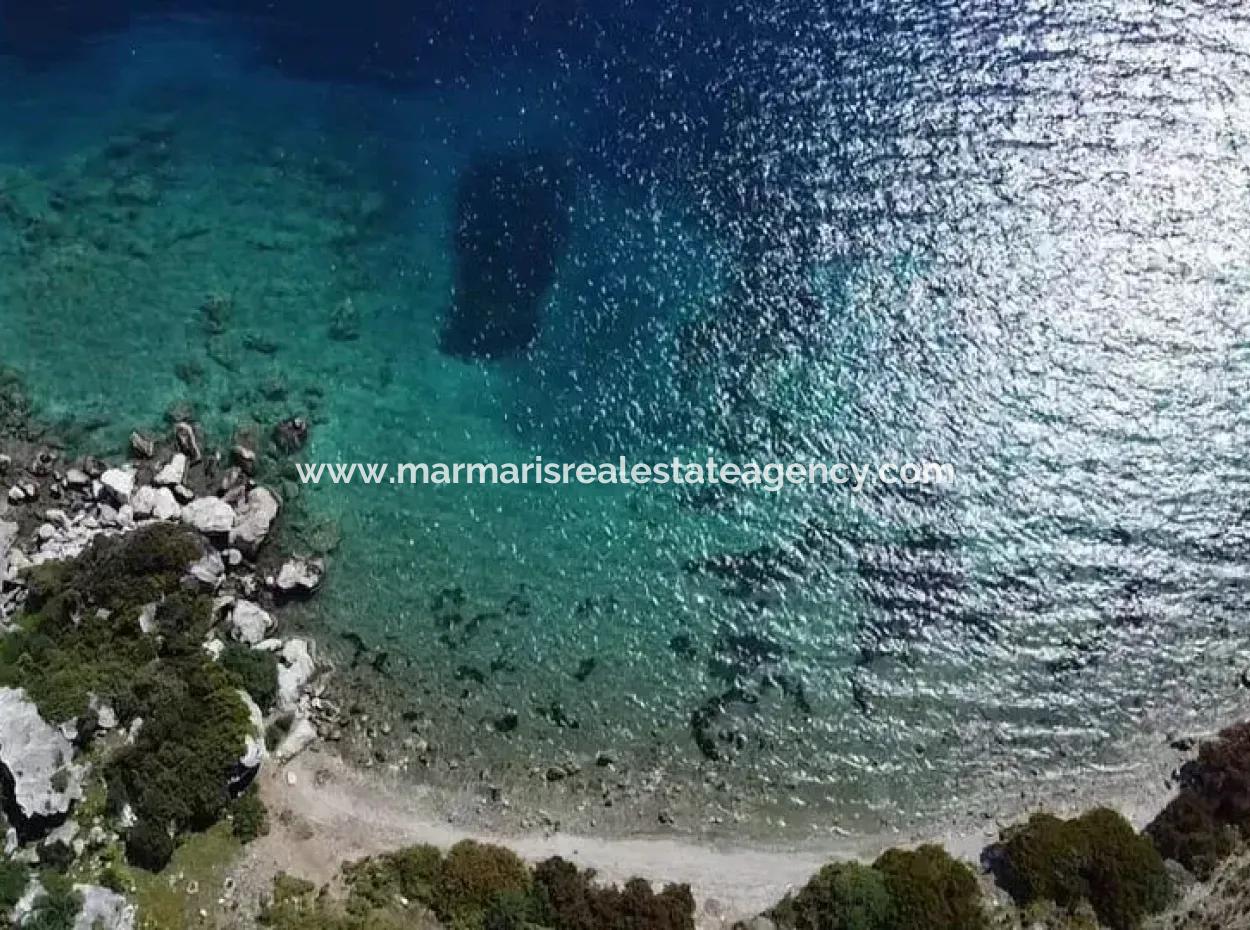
(325,812)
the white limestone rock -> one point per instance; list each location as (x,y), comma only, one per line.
(8,535)
(117,484)
(254,520)
(210,515)
(254,752)
(249,622)
(301,735)
(295,671)
(37,757)
(173,473)
(208,571)
(300,576)
(103,909)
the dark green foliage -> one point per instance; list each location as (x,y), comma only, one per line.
(249,819)
(253,670)
(567,899)
(1096,857)
(841,896)
(55,855)
(471,878)
(930,890)
(14,876)
(149,846)
(177,770)
(57,907)
(80,637)
(1187,831)
(80,632)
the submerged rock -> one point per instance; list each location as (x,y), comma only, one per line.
(512,226)
(41,781)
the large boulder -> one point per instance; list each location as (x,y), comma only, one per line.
(103,910)
(295,670)
(8,534)
(254,752)
(40,780)
(254,520)
(210,515)
(249,622)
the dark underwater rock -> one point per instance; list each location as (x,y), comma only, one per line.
(512,226)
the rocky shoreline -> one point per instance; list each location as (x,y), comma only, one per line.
(55,512)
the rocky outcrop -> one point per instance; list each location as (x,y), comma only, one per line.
(39,777)
(103,910)
(295,671)
(254,746)
(210,515)
(254,520)
(8,534)
(299,576)
(249,622)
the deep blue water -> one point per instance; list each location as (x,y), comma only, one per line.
(1011,236)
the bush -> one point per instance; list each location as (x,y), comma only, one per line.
(57,908)
(473,876)
(14,876)
(1096,857)
(253,670)
(565,898)
(841,896)
(249,819)
(149,846)
(1187,831)
(930,890)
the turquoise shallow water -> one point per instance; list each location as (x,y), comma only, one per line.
(1026,234)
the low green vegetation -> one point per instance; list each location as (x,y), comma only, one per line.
(1096,858)
(80,644)
(475,886)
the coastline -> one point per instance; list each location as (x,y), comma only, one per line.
(327,812)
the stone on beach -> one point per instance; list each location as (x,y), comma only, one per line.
(210,515)
(295,671)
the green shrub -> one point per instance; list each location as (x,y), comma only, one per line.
(930,890)
(249,819)
(57,908)
(1187,831)
(253,670)
(193,735)
(472,876)
(841,896)
(14,877)
(565,898)
(1096,857)
(149,845)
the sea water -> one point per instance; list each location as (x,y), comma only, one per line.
(1009,236)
